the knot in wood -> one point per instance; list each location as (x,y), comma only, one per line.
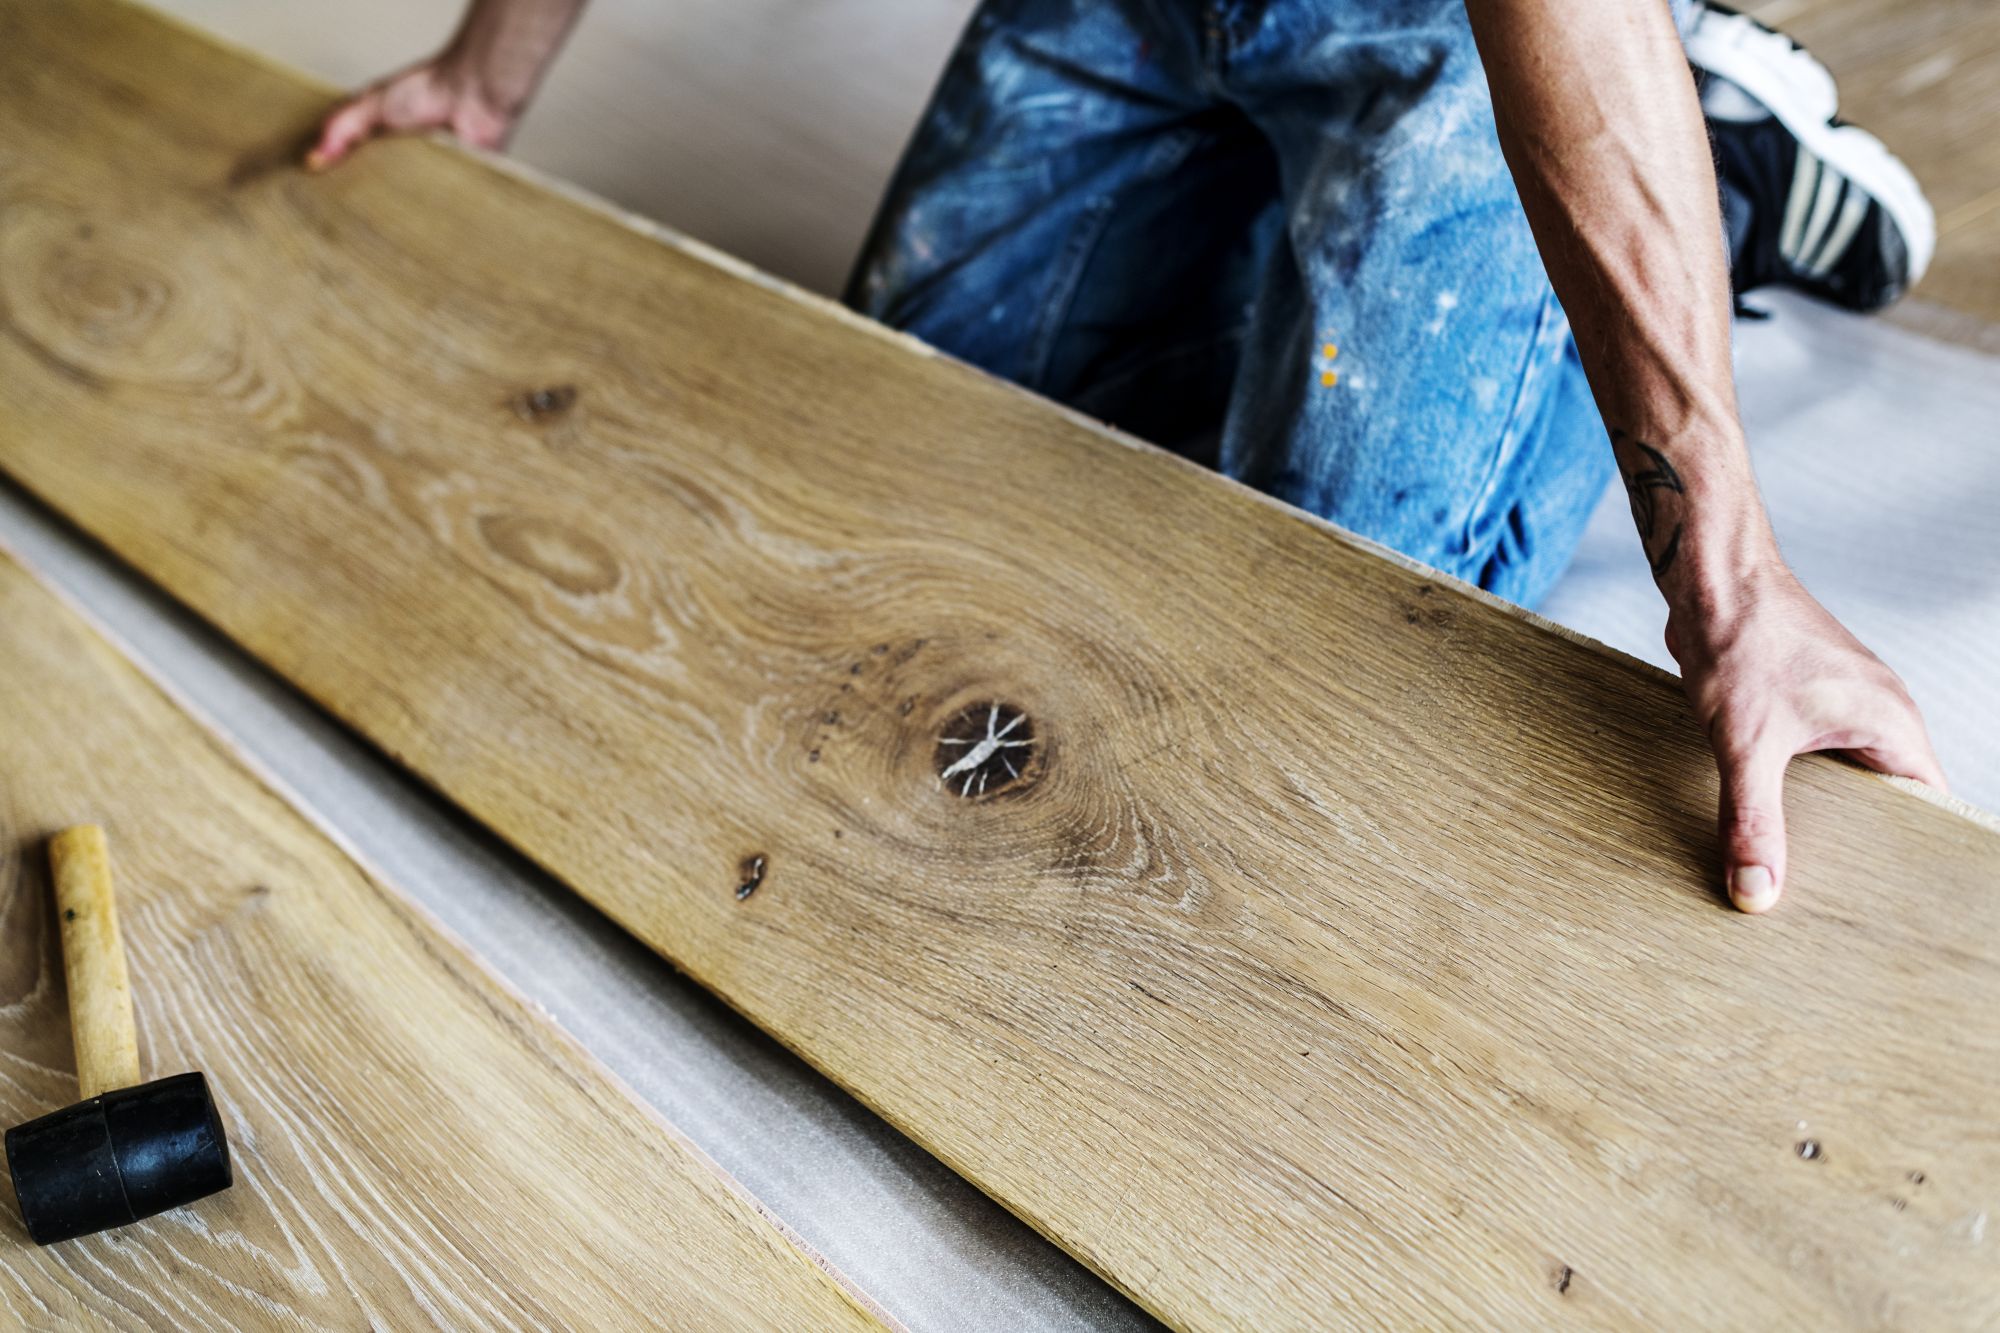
(541,404)
(987,749)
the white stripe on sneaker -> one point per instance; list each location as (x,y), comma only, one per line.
(1851,213)
(1825,201)
(1800,93)
(1805,173)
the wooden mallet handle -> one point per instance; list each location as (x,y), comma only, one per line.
(100,994)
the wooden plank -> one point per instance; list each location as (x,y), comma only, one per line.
(1925,78)
(413,1146)
(1347,953)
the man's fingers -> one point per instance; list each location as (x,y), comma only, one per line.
(1753,821)
(1910,757)
(417,99)
(345,129)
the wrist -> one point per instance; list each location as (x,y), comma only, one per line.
(1727,568)
(500,52)
(496,81)
(1700,518)
(1727,548)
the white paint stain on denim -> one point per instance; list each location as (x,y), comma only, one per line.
(1446,303)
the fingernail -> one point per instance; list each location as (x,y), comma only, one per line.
(1752,889)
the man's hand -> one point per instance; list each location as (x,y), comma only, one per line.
(1598,118)
(437,94)
(476,88)
(1771,675)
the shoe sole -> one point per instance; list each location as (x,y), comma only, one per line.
(1848,149)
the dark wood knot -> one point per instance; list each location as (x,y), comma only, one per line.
(988,749)
(542,404)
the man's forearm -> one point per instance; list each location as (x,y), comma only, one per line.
(1600,124)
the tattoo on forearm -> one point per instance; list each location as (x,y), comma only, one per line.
(1649,478)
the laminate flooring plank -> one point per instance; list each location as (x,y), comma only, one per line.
(413,1147)
(1341,950)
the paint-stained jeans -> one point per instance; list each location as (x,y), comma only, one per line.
(1277,235)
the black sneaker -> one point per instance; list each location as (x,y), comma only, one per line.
(1809,202)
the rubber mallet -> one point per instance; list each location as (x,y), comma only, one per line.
(128,1149)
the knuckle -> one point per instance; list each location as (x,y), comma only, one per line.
(1754,823)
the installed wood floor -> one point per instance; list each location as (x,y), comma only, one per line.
(412,1146)
(1341,946)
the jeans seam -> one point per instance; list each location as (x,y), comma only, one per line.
(1508,443)
(1082,244)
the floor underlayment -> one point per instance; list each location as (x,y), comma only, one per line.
(1875,448)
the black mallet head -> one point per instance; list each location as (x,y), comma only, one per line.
(118,1157)
(128,1149)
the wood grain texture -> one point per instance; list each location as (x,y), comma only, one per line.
(413,1147)
(1925,78)
(1345,952)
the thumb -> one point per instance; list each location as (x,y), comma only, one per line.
(345,129)
(1753,821)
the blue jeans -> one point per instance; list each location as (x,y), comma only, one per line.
(1276,235)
